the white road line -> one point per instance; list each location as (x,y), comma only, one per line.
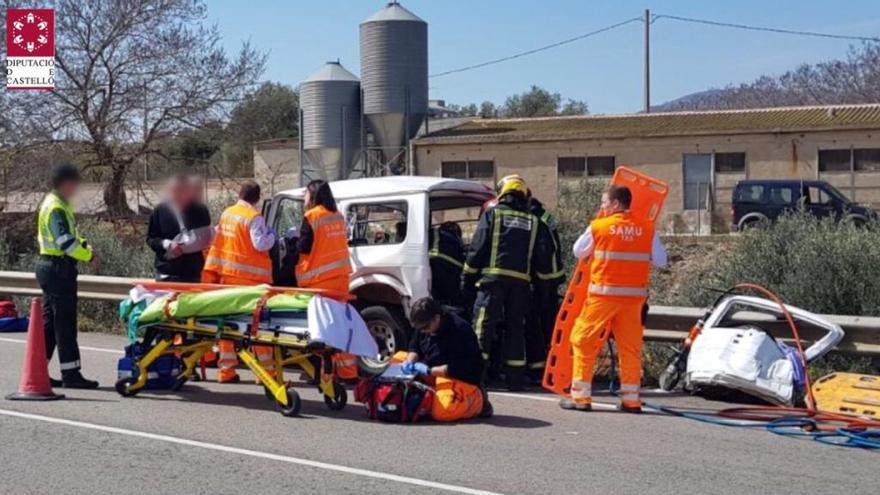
(251,453)
(545,398)
(82,347)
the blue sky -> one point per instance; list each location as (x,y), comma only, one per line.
(605,70)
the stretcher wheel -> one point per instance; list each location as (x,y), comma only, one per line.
(123,387)
(293,403)
(178,383)
(339,399)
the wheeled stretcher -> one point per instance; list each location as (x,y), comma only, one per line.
(303,328)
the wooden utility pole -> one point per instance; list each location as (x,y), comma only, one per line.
(647,61)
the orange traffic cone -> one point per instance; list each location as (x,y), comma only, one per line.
(34,384)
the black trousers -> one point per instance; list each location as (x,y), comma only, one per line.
(57,278)
(500,307)
(541,319)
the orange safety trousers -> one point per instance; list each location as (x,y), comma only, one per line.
(227,360)
(454,400)
(600,318)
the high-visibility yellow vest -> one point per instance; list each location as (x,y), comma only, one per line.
(49,245)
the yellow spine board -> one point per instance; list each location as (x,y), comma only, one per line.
(848,393)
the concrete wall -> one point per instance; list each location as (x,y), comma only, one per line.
(783,155)
(276,165)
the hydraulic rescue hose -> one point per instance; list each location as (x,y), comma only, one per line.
(828,428)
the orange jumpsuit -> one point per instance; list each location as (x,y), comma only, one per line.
(454,400)
(619,275)
(233,260)
(327,265)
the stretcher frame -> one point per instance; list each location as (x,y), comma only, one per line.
(190,338)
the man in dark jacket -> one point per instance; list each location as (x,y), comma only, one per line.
(508,249)
(444,345)
(180,229)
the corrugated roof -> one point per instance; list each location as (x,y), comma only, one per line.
(331,71)
(764,120)
(393,11)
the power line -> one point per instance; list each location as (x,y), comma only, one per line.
(536,50)
(765,28)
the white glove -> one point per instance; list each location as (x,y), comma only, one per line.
(293,233)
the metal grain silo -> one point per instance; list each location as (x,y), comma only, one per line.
(330,123)
(394,74)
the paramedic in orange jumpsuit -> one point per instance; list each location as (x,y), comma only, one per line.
(239,255)
(324,261)
(444,350)
(623,249)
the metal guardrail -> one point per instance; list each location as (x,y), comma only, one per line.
(665,323)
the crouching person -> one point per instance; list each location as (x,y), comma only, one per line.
(445,351)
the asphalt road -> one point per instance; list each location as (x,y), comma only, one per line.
(212,438)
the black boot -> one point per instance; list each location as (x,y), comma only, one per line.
(516,380)
(56,383)
(74,379)
(487,410)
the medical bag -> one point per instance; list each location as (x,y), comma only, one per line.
(395,401)
(161,375)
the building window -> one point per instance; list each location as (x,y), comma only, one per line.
(480,170)
(697,180)
(581,167)
(377,223)
(730,163)
(600,166)
(571,167)
(834,160)
(867,159)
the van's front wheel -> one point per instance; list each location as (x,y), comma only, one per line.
(388,327)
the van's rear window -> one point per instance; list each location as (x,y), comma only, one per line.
(748,193)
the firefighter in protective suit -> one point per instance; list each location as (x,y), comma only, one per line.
(623,249)
(506,252)
(545,287)
(447,259)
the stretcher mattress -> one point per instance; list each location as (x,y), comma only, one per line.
(317,318)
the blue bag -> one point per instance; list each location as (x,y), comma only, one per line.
(161,375)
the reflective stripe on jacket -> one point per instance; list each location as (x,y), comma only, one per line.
(50,245)
(503,244)
(446,247)
(556,272)
(232,252)
(621,257)
(328,260)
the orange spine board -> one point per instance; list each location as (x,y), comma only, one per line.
(648,197)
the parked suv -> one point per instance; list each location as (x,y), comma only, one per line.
(755,201)
(388,223)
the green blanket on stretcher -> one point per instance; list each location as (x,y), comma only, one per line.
(222,302)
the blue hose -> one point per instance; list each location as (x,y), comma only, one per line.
(788,426)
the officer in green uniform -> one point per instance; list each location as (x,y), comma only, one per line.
(61,248)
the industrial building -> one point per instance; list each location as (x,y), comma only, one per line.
(383,124)
(700,154)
